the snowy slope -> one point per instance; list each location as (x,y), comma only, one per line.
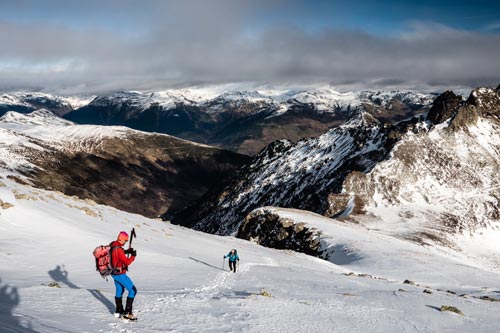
(46,237)
(42,131)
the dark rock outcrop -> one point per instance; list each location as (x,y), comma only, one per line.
(444,107)
(270,230)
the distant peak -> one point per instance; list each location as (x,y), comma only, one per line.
(38,117)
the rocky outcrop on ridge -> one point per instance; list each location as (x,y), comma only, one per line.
(271,230)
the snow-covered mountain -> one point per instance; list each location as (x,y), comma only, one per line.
(245,120)
(134,171)
(234,118)
(374,282)
(25,102)
(419,180)
(388,262)
(323,99)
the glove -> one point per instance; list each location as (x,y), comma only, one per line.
(131,251)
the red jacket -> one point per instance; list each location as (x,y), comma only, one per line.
(118,258)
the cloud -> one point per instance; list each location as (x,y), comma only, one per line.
(173,44)
(493,26)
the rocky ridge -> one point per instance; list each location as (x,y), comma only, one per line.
(421,179)
(133,171)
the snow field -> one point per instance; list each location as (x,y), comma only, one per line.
(47,237)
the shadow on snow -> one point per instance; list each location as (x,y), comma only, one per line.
(10,322)
(60,275)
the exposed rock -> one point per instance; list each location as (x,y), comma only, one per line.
(348,294)
(409,282)
(268,229)
(466,115)
(486,101)
(427,291)
(489,298)
(5,205)
(338,204)
(265,293)
(451,309)
(444,107)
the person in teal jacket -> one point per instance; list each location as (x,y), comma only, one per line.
(233,257)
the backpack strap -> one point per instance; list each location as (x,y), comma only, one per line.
(114,269)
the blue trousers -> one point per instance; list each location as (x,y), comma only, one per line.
(122,282)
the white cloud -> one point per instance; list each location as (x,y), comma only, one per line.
(181,43)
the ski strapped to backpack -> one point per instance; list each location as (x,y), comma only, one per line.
(103,263)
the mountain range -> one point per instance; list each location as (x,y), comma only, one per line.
(244,121)
(422,179)
(435,172)
(399,220)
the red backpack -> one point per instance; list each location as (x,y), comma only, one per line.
(103,263)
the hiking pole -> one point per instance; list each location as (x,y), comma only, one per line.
(223,263)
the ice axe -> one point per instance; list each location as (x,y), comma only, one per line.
(132,235)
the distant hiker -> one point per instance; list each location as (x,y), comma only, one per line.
(233,257)
(120,263)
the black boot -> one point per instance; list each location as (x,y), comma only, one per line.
(119,306)
(128,310)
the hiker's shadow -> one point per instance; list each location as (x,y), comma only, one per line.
(9,299)
(205,263)
(60,274)
(100,297)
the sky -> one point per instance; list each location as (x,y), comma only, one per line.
(94,46)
